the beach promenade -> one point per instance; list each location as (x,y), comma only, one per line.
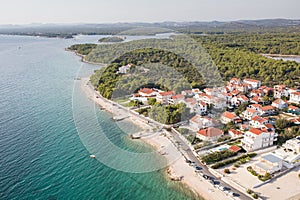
(177,167)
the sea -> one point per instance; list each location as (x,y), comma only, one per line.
(42,153)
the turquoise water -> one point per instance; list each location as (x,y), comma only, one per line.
(41,154)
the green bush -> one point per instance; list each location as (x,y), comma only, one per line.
(255,196)
(218,156)
(236,165)
(227,171)
(227,162)
(249,191)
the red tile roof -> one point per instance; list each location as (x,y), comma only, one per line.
(210,132)
(168,93)
(234,148)
(293,108)
(178,96)
(267,108)
(256,105)
(256,131)
(251,80)
(235,132)
(251,110)
(202,103)
(229,115)
(190,100)
(269,126)
(146,90)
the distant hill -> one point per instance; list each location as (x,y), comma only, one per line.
(263,25)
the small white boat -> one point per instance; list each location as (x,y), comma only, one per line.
(92,156)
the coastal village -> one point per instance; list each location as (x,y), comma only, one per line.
(244,132)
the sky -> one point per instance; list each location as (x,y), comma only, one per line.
(112,11)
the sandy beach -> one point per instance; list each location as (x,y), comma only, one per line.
(177,166)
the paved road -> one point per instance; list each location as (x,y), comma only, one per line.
(205,170)
(185,148)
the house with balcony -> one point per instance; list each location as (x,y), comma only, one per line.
(235,133)
(249,113)
(280,91)
(227,117)
(163,97)
(175,99)
(266,110)
(208,99)
(258,122)
(268,163)
(255,139)
(200,122)
(257,100)
(201,108)
(293,145)
(254,83)
(257,93)
(255,106)
(235,81)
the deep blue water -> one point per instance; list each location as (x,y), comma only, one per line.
(41,153)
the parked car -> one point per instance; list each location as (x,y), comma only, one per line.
(222,188)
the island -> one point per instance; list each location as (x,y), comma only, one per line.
(112,39)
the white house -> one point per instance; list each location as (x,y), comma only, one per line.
(255,106)
(190,103)
(124,69)
(255,139)
(280,104)
(295,97)
(147,92)
(199,122)
(227,117)
(254,83)
(249,113)
(238,100)
(258,122)
(188,93)
(163,97)
(201,108)
(293,145)
(235,133)
(266,110)
(208,99)
(235,81)
(175,99)
(268,163)
(280,91)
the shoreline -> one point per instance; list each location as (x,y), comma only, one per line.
(178,168)
(83,58)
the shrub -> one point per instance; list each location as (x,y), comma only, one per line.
(221,164)
(265,177)
(254,195)
(249,191)
(236,165)
(227,171)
